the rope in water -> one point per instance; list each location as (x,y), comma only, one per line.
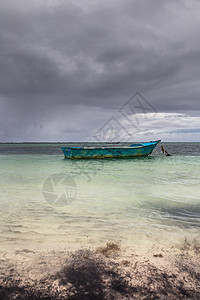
(164,151)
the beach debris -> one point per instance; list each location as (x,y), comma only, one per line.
(164,151)
(110,249)
(125,262)
(158,255)
(193,245)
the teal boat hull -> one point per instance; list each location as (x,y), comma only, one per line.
(134,150)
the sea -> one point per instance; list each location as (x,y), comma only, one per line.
(48,202)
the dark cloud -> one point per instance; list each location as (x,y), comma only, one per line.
(66,55)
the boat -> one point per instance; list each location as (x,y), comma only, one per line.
(133,150)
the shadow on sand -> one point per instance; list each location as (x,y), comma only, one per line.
(89,274)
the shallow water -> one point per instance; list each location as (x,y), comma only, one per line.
(144,202)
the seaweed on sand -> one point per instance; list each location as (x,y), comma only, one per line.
(109,250)
(89,275)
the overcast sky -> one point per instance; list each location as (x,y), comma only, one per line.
(67,68)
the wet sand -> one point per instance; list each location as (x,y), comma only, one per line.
(107,272)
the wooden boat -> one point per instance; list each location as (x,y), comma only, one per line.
(134,150)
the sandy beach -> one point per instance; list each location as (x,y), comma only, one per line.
(107,272)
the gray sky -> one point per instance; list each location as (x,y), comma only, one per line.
(67,67)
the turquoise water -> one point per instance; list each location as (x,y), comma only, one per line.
(143,202)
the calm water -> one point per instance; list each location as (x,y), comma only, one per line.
(48,202)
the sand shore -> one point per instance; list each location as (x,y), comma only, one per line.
(107,272)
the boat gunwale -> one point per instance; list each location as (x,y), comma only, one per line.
(126,147)
(140,145)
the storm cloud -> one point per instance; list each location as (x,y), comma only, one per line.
(67,66)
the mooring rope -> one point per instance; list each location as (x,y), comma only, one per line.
(164,151)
